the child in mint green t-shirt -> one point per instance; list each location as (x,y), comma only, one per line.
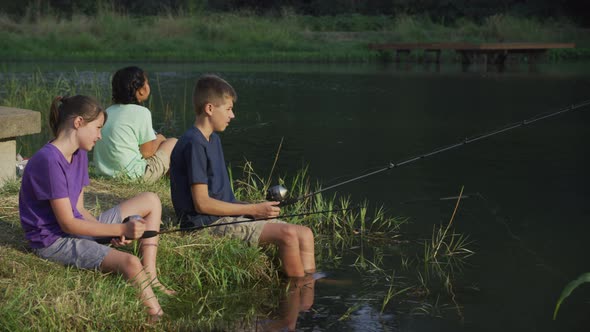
(130,146)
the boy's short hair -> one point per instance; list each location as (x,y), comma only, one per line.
(211,89)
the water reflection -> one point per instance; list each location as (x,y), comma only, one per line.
(298,299)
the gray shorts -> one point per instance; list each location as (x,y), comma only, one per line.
(246,231)
(82,251)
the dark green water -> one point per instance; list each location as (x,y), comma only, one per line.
(527,212)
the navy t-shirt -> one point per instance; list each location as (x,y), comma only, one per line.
(196,160)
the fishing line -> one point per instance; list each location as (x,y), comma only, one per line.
(505,221)
(279,193)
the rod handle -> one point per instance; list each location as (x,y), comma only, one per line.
(148,234)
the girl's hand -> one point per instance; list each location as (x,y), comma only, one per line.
(134,229)
(120,241)
(266,210)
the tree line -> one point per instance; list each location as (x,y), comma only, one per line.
(436,10)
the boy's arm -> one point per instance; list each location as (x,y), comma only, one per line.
(62,209)
(149,148)
(211,206)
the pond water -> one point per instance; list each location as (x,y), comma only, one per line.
(527,211)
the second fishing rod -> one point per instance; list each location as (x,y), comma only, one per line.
(280,193)
(151,233)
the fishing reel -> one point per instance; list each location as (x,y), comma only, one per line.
(278,193)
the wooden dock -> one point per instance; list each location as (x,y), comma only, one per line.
(492,53)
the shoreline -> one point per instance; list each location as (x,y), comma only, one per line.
(250,38)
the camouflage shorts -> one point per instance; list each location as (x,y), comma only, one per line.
(245,231)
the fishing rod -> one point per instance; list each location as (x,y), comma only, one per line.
(148,234)
(279,193)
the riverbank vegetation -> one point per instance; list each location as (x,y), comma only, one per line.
(222,283)
(208,272)
(281,35)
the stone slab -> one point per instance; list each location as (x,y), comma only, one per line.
(16,122)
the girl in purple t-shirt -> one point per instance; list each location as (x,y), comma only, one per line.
(51,205)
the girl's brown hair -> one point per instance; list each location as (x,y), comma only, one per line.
(64,108)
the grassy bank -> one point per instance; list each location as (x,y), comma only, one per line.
(222,284)
(246,37)
(208,272)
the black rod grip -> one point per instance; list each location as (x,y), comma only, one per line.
(148,234)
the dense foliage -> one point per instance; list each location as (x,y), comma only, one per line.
(446,10)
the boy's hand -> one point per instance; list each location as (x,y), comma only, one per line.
(133,229)
(266,210)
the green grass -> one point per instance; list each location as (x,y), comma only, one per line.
(247,37)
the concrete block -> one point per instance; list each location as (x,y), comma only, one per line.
(7,160)
(14,122)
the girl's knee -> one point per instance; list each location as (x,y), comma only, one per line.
(151,198)
(150,202)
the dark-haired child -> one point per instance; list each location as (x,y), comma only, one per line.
(202,193)
(130,145)
(51,204)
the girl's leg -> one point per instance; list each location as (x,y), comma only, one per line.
(148,206)
(286,238)
(168,145)
(131,268)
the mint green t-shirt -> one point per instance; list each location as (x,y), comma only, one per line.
(128,126)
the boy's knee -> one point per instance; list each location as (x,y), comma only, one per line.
(289,236)
(307,233)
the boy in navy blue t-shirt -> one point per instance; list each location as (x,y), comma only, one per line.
(202,194)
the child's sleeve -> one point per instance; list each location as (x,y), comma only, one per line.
(145,130)
(196,163)
(49,181)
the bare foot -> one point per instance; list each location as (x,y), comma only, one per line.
(155,315)
(157,284)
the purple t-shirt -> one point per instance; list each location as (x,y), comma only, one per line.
(48,175)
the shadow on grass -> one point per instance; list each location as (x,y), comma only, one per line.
(11,235)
